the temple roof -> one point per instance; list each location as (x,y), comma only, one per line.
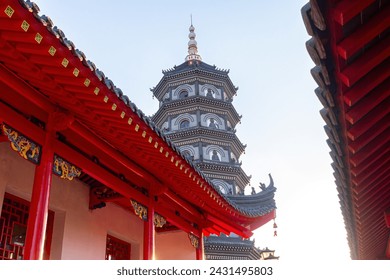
(39,53)
(199,65)
(350,47)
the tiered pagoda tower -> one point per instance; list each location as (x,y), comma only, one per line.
(197,114)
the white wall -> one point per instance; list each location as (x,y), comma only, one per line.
(174,245)
(78,232)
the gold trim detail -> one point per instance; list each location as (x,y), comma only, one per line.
(52,50)
(159,221)
(194,240)
(166,154)
(87,82)
(25,25)
(26,148)
(140,210)
(156,145)
(161,149)
(150,139)
(38,38)
(65,62)
(64,169)
(96,91)
(136,128)
(9,11)
(113,107)
(129,121)
(76,72)
(105,99)
(123,114)
(144,134)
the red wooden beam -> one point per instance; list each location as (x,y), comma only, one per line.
(240,230)
(367,83)
(81,130)
(20,86)
(369,102)
(99,173)
(369,120)
(346,10)
(364,33)
(21,124)
(365,63)
(379,128)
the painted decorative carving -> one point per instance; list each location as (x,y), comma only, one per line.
(159,221)
(194,240)
(65,169)
(140,210)
(21,144)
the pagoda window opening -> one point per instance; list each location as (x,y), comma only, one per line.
(215,156)
(213,124)
(184,124)
(183,94)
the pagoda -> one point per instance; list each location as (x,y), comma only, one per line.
(197,114)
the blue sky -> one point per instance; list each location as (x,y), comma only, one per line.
(263,45)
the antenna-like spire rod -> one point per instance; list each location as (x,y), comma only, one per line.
(192,45)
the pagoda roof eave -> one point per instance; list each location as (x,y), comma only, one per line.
(63,75)
(185,71)
(187,105)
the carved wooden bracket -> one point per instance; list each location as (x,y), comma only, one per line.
(194,240)
(26,148)
(64,169)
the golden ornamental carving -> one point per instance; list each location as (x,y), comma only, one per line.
(159,221)
(65,169)
(140,210)
(21,144)
(9,11)
(194,240)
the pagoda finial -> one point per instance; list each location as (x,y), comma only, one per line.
(192,45)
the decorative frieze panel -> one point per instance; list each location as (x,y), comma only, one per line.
(159,221)
(194,240)
(140,210)
(64,169)
(21,144)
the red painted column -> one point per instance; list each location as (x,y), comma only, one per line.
(39,207)
(200,249)
(149,233)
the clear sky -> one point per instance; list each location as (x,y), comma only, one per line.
(263,45)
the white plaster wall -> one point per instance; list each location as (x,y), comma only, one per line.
(78,233)
(174,245)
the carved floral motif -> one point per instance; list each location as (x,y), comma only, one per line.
(21,144)
(159,221)
(140,210)
(65,169)
(194,240)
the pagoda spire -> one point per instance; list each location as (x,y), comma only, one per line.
(192,45)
